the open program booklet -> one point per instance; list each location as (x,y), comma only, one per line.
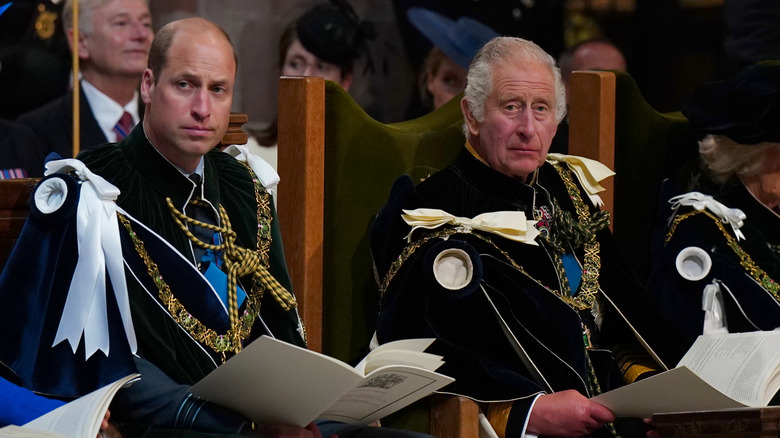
(80,418)
(731,370)
(275,382)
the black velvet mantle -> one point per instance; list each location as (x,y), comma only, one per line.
(478,352)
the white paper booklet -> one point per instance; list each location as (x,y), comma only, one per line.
(80,418)
(276,382)
(722,371)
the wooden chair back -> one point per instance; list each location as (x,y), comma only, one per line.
(14,207)
(610,121)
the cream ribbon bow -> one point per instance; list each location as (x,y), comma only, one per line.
(589,172)
(100,250)
(511,225)
(268,177)
(700,201)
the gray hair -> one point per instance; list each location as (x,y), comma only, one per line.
(722,157)
(502,50)
(86,8)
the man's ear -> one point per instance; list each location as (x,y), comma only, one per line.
(147,86)
(83,44)
(471,122)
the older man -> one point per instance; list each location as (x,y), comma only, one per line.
(113,44)
(504,259)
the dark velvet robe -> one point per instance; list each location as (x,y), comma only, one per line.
(749,305)
(145,178)
(479,350)
(34,285)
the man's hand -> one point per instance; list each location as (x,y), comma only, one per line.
(567,414)
(282,431)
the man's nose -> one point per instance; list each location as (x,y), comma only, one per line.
(139,31)
(201,104)
(526,123)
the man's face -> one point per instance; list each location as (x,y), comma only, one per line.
(120,39)
(519,119)
(188,108)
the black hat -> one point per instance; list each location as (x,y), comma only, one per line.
(332,32)
(745,108)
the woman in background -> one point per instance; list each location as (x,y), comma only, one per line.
(325,41)
(718,263)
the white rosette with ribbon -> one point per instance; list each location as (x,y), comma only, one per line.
(99,252)
(264,171)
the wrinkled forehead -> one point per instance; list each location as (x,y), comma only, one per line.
(523,77)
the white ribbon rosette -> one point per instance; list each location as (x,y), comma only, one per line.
(264,171)
(589,172)
(511,225)
(100,250)
(699,201)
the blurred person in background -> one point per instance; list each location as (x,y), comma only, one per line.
(325,41)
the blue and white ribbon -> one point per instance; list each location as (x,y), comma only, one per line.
(100,251)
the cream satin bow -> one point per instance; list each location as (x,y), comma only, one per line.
(100,250)
(511,225)
(589,172)
(264,171)
(700,201)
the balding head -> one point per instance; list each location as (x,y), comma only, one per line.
(597,55)
(163,40)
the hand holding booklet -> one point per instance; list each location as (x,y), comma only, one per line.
(80,418)
(271,381)
(722,371)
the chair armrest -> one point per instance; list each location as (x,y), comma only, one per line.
(454,416)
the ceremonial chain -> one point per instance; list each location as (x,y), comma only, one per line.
(231,341)
(745,260)
(581,233)
(238,262)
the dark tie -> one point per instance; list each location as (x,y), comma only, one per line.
(123,126)
(203,214)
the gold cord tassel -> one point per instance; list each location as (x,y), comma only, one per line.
(239,261)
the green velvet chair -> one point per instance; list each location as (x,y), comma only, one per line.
(357,160)
(337,165)
(612,122)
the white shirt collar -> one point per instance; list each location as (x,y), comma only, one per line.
(107,112)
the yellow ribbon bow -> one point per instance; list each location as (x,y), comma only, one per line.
(589,173)
(511,225)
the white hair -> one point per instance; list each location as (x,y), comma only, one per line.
(722,157)
(86,8)
(500,51)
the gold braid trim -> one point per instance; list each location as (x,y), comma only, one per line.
(231,341)
(444,234)
(745,260)
(591,264)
